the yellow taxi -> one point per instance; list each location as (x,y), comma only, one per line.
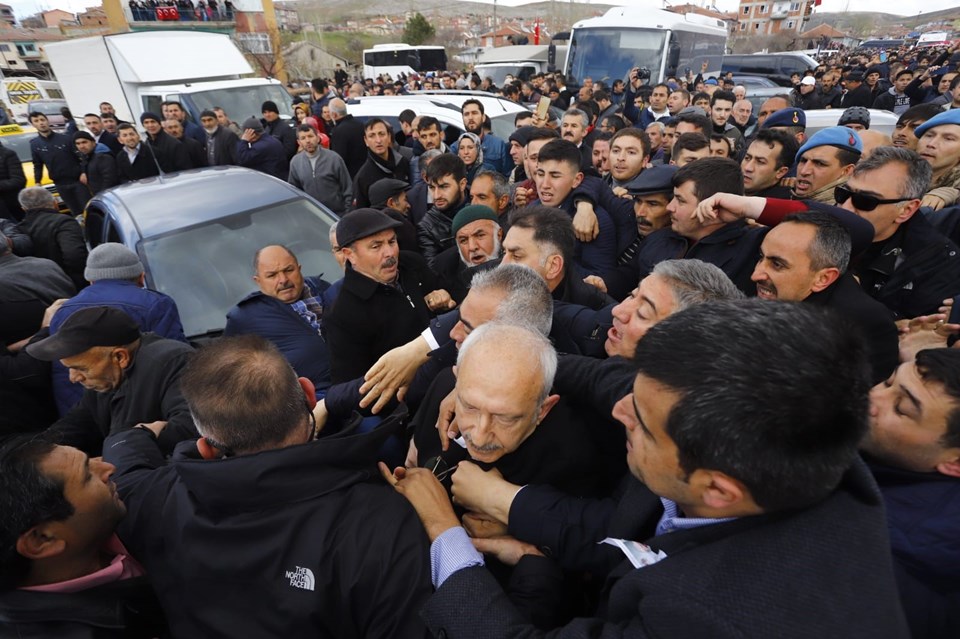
(17,138)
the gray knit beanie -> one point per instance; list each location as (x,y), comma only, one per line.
(112,261)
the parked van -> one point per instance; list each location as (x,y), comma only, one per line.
(18,93)
(775,66)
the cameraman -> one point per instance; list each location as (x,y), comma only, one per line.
(637,78)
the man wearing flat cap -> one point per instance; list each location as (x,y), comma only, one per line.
(825,161)
(390,196)
(261,152)
(386,298)
(477,245)
(130,378)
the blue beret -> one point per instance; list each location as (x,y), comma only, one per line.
(711,81)
(791,116)
(947,117)
(657,179)
(839,136)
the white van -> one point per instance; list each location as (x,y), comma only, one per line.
(18,93)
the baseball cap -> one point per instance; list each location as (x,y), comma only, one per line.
(86,329)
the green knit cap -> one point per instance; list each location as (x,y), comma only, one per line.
(473,213)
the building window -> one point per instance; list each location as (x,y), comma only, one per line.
(794,6)
(743,26)
(5,48)
(26,49)
(746,11)
(790,24)
(257,43)
(763,8)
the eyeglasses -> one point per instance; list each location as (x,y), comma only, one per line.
(862,201)
(439,467)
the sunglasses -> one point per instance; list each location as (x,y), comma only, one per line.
(862,201)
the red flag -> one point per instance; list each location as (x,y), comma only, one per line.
(817,3)
(536,33)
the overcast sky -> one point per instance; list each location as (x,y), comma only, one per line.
(24,8)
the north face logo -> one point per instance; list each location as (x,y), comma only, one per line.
(301,578)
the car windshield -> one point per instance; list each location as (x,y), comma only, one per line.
(499,74)
(19,143)
(207,268)
(242,102)
(502,125)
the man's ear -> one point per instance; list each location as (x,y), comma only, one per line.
(824,278)
(206,450)
(547,406)
(950,468)
(554,266)
(782,172)
(578,179)
(718,491)
(309,390)
(41,542)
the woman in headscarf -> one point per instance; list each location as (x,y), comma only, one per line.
(471,152)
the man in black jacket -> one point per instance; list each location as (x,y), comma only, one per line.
(56,152)
(136,160)
(447,181)
(715,496)
(279,128)
(98,164)
(855,92)
(910,267)
(386,298)
(94,125)
(347,139)
(382,161)
(196,153)
(55,236)
(65,572)
(129,378)
(805,259)
(316,547)
(12,181)
(171,155)
(221,145)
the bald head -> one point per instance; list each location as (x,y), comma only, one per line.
(771,106)
(871,140)
(338,109)
(277,273)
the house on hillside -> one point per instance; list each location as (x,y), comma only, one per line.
(825,34)
(309,60)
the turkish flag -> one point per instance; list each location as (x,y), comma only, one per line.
(817,3)
(536,33)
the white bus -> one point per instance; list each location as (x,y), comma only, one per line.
(394,59)
(664,43)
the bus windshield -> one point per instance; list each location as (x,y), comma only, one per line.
(609,53)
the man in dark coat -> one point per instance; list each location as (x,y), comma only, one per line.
(97,162)
(316,547)
(691,440)
(261,152)
(196,153)
(55,236)
(130,378)
(94,126)
(914,454)
(447,181)
(910,267)
(347,138)
(805,259)
(221,144)
(56,152)
(855,92)
(171,155)
(136,160)
(542,238)
(279,128)
(288,311)
(382,161)
(386,297)
(12,181)
(477,245)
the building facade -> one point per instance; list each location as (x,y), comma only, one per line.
(768,17)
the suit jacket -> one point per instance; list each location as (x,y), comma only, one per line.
(873,318)
(143,165)
(346,139)
(823,571)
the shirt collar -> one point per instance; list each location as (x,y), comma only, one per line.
(672,519)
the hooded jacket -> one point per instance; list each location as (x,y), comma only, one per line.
(302,541)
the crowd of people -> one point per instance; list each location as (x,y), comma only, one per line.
(652,367)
